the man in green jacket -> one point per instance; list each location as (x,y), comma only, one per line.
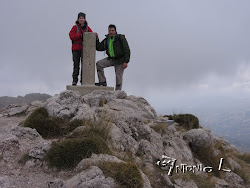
(118,52)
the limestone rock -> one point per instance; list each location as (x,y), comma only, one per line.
(179,183)
(56,183)
(25,133)
(4,182)
(93,177)
(85,112)
(177,148)
(165,180)
(132,120)
(221,183)
(171,128)
(96,160)
(18,110)
(146,182)
(148,151)
(36,103)
(233,178)
(94,98)
(63,105)
(225,143)
(129,112)
(33,106)
(39,152)
(233,164)
(199,138)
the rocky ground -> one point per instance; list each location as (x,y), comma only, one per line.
(137,135)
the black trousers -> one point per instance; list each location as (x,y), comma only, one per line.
(77,59)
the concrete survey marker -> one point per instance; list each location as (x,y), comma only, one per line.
(88,67)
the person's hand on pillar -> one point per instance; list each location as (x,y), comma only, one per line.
(125,65)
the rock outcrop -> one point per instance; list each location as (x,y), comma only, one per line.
(134,137)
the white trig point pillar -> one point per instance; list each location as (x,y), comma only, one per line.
(88,60)
(88,67)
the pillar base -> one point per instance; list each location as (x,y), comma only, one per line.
(86,89)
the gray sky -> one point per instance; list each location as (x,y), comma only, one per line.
(178,48)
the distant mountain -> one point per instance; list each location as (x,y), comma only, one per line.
(5,100)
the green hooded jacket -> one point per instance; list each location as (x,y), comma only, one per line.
(120,46)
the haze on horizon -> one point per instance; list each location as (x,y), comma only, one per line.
(180,50)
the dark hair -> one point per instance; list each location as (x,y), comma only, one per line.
(85,23)
(83,15)
(112,26)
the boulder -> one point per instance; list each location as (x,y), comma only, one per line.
(199,138)
(233,178)
(93,177)
(233,164)
(65,104)
(25,133)
(221,183)
(179,183)
(18,110)
(39,152)
(96,160)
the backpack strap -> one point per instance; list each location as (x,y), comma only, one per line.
(119,39)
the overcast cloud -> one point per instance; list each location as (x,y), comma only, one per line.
(178,48)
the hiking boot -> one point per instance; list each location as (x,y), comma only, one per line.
(101,84)
(74,83)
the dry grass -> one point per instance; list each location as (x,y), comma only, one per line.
(50,126)
(204,181)
(244,173)
(208,157)
(160,128)
(188,121)
(244,156)
(127,175)
(100,128)
(68,153)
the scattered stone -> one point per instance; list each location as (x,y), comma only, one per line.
(25,133)
(199,138)
(167,181)
(18,110)
(39,152)
(4,181)
(146,182)
(96,160)
(179,183)
(131,119)
(56,183)
(93,177)
(233,164)
(221,183)
(234,178)
(65,104)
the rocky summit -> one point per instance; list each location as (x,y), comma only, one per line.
(109,139)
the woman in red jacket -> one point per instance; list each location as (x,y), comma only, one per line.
(76,34)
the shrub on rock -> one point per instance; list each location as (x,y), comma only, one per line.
(50,126)
(189,121)
(125,174)
(70,152)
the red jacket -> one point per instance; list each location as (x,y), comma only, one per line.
(77,37)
